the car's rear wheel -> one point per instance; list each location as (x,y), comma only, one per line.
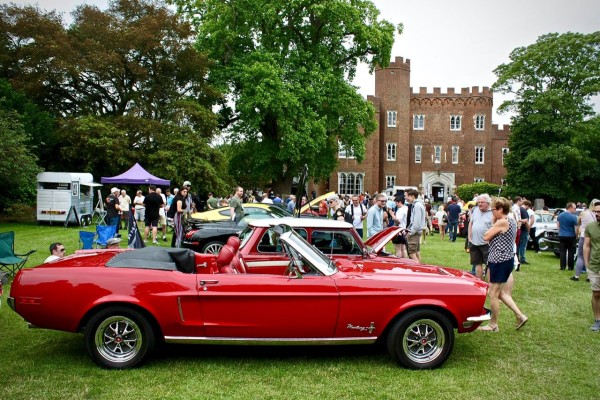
(212,247)
(421,339)
(118,338)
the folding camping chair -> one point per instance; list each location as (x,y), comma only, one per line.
(9,261)
(86,240)
(104,233)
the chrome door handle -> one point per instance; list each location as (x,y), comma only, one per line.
(208,282)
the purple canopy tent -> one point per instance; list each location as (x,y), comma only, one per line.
(136,175)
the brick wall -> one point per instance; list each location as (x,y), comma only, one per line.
(393,93)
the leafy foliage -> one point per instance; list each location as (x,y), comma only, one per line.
(553,135)
(18,166)
(468,191)
(285,65)
(126,85)
(37,125)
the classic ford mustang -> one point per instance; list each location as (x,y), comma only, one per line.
(125,302)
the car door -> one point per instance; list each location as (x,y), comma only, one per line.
(257,306)
(266,256)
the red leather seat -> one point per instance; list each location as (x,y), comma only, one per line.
(238,265)
(224,259)
(234,242)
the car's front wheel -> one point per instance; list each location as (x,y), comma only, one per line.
(118,338)
(421,339)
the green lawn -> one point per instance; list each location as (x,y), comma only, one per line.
(554,356)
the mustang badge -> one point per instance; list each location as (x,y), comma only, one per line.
(369,328)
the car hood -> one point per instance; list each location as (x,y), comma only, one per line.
(403,270)
(315,202)
(378,241)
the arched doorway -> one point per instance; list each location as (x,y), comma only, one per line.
(438,185)
(437,192)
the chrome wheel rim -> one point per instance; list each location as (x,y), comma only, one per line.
(213,248)
(118,339)
(423,341)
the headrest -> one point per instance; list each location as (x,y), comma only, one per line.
(234,242)
(225,256)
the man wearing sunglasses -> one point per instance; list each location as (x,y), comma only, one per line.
(57,250)
(591,258)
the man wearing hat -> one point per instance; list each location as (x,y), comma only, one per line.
(113,243)
(113,208)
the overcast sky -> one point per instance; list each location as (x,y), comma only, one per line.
(454,43)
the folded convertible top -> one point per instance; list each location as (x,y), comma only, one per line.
(163,258)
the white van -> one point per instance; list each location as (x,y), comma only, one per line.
(58,192)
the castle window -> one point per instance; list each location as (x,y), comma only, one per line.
(391,151)
(478,180)
(418,151)
(479,154)
(455,154)
(350,183)
(479,122)
(392,117)
(390,181)
(437,154)
(418,122)
(455,122)
(343,152)
(505,151)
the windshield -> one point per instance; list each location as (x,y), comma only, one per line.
(245,235)
(310,255)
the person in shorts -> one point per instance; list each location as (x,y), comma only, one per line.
(153,202)
(138,203)
(480,223)
(415,226)
(501,237)
(591,257)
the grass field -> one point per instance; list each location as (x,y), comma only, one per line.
(555,356)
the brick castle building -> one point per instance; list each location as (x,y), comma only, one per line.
(433,141)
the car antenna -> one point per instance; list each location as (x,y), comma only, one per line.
(301,190)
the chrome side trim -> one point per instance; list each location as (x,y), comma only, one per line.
(270,341)
(253,264)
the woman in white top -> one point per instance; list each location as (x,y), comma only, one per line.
(440,214)
(584,218)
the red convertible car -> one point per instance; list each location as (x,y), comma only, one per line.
(126,302)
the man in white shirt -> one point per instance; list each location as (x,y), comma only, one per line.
(266,199)
(400,220)
(57,250)
(359,213)
(162,215)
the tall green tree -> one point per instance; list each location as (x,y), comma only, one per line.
(286,66)
(18,165)
(38,125)
(126,85)
(555,129)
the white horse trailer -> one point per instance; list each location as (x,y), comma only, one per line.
(65,197)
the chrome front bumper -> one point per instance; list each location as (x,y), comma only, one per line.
(479,318)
